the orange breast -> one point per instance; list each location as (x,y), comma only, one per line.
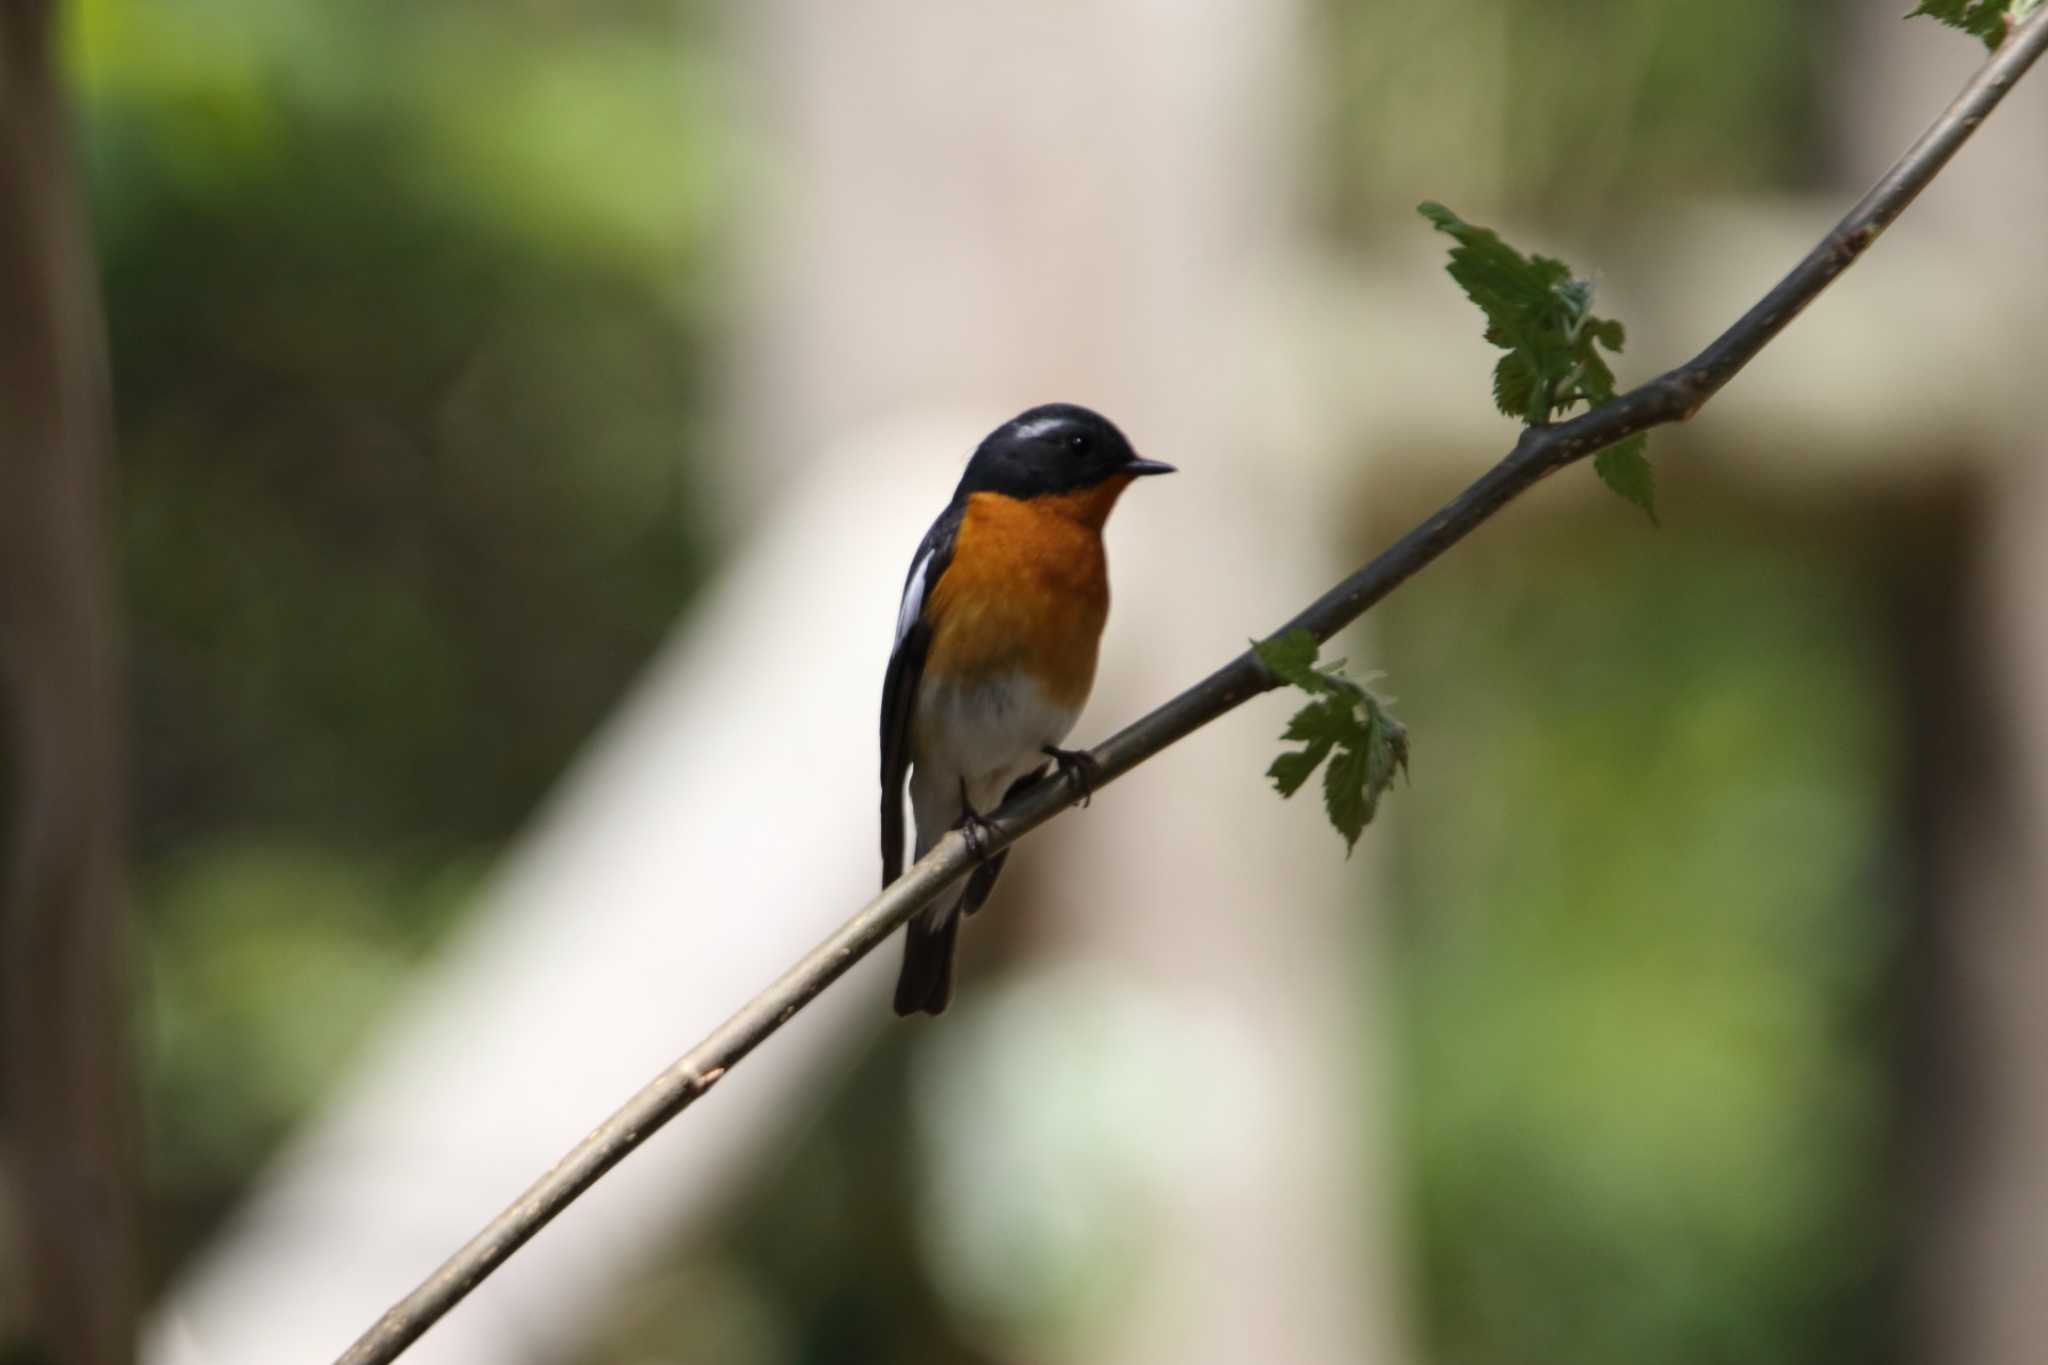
(1028,589)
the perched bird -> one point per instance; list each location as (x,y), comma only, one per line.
(995,652)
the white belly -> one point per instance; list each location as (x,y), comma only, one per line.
(986,736)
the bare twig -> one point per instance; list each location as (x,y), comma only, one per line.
(1671,397)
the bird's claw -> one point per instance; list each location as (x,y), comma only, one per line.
(979,832)
(1080,769)
(977,829)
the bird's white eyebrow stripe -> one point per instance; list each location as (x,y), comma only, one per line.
(913,598)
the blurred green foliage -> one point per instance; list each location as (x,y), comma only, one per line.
(1642,935)
(410,313)
(268,962)
(1573,111)
(1642,940)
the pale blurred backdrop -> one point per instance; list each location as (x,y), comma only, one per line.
(525,414)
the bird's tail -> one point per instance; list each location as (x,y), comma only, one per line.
(926,981)
(981,881)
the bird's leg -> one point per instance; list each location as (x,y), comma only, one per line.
(983,879)
(1080,769)
(974,827)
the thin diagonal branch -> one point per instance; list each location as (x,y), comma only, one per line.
(1671,397)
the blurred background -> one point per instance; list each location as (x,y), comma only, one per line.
(523,415)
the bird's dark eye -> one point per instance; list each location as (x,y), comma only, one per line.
(1077,443)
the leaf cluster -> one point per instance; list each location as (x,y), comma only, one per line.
(1985,19)
(1542,316)
(1344,723)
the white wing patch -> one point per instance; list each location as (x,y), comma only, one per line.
(913,599)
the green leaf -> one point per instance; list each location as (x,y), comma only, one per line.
(1292,769)
(1542,316)
(1290,657)
(1535,310)
(1362,770)
(1624,468)
(1517,385)
(1387,750)
(1329,721)
(1985,19)
(1344,795)
(1345,724)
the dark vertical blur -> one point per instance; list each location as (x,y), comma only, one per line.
(64,1076)
(1957,789)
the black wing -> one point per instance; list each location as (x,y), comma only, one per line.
(900,683)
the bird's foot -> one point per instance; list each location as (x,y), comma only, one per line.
(1080,769)
(977,829)
(979,832)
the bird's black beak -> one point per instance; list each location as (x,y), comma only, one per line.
(1139,468)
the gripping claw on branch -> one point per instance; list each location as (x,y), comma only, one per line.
(1079,768)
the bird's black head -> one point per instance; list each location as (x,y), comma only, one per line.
(1056,448)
